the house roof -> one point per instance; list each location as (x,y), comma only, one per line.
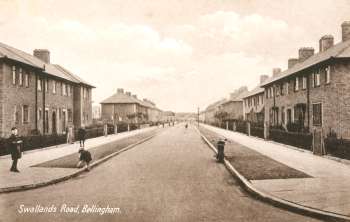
(238,98)
(12,53)
(340,50)
(126,99)
(121,98)
(255,91)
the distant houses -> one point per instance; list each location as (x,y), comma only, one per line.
(313,94)
(125,107)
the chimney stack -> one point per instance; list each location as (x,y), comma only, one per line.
(326,42)
(305,53)
(263,78)
(276,71)
(135,96)
(345,31)
(43,55)
(120,91)
(292,62)
(128,93)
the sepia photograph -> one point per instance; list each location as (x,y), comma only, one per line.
(174,110)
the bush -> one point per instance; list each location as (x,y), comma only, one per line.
(257,131)
(337,147)
(301,140)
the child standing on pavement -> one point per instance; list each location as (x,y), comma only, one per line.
(84,159)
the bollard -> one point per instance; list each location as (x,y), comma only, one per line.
(221,151)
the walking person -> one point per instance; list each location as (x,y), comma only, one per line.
(81,136)
(15,144)
(84,159)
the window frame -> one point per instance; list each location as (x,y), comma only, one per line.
(296,84)
(14,78)
(20,77)
(321,114)
(328,75)
(25,116)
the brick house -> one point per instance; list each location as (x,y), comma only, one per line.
(253,103)
(314,92)
(233,106)
(210,111)
(128,108)
(36,95)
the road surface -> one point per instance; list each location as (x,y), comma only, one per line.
(172,177)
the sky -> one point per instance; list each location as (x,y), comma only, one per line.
(181,54)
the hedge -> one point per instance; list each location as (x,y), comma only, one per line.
(301,140)
(338,147)
(257,131)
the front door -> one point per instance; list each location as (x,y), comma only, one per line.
(289,116)
(54,127)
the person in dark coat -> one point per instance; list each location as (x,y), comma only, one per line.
(81,136)
(15,145)
(84,159)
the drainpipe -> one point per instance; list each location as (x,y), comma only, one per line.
(44,111)
(308,101)
(36,102)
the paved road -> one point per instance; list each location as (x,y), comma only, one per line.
(172,177)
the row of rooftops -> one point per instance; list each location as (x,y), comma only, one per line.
(122,97)
(40,60)
(307,59)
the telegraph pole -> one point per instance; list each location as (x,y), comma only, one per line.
(198,117)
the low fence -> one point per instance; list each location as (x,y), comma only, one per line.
(33,142)
(257,132)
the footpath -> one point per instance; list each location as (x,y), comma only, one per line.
(286,176)
(32,175)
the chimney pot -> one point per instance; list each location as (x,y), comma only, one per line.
(128,93)
(305,53)
(292,62)
(345,30)
(276,71)
(263,78)
(120,91)
(135,96)
(43,55)
(326,42)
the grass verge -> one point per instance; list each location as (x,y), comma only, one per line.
(251,164)
(70,161)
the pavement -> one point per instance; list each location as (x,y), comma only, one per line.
(30,177)
(327,189)
(171,177)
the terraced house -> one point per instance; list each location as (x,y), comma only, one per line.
(314,92)
(253,103)
(37,96)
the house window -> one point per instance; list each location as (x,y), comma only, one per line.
(39,84)
(64,89)
(287,88)
(26,80)
(317,114)
(304,82)
(70,115)
(25,114)
(296,84)
(46,85)
(16,115)
(316,78)
(39,114)
(328,74)
(14,75)
(20,77)
(53,86)
(271,91)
